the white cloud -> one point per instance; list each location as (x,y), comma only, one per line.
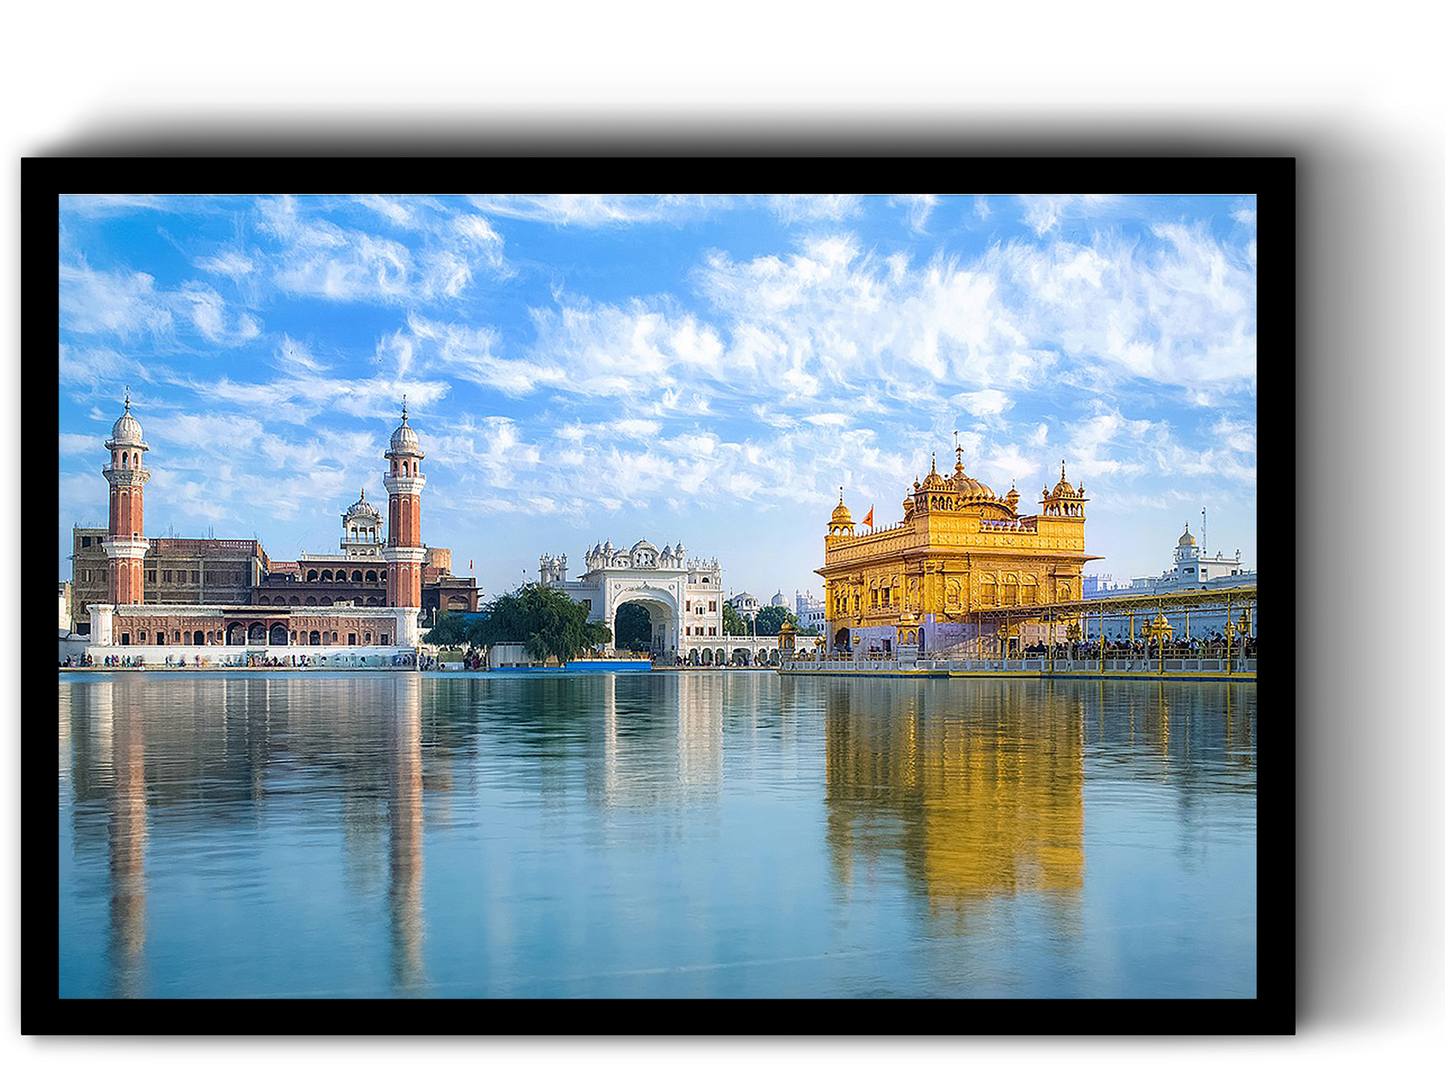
(233,265)
(590,210)
(1042,213)
(920,207)
(318,257)
(815,207)
(102,302)
(983,402)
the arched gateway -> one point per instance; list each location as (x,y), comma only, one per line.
(683,594)
(661,610)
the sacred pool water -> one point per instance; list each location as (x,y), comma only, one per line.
(641,835)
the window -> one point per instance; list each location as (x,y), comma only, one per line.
(712,605)
(165,577)
(85,542)
(687,631)
(195,577)
(712,631)
(704,581)
(689,605)
(150,577)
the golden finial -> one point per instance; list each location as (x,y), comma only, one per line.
(840,493)
(934,464)
(1062,473)
(403,407)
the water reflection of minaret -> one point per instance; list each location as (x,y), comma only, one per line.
(408,931)
(611,780)
(127,844)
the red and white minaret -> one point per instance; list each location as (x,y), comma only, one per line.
(404,551)
(125,543)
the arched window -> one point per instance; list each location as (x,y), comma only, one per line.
(371,576)
(295,600)
(311,601)
(356,576)
(310,576)
(326,601)
(265,599)
(160,636)
(366,637)
(198,637)
(326,575)
(315,637)
(351,638)
(124,460)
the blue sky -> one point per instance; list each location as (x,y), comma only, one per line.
(704,369)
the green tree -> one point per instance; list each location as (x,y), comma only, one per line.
(770,620)
(451,631)
(547,621)
(733,624)
(634,627)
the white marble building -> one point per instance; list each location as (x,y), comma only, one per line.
(812,613)
(1192,570)
(746,606)
(683,597)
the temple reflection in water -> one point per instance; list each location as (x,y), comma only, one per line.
(269,835)
(977,792)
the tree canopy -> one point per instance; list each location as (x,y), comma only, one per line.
(545,620)
(634,627)
(733,624)
(770,620)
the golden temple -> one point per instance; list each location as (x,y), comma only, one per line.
(960,552)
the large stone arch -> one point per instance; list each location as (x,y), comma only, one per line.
(662,608)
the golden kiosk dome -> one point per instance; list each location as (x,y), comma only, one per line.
(840,523)
(1186,541)
(1063,488)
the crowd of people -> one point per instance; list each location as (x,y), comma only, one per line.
(1210,646)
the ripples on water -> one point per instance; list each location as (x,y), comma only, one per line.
(700,834)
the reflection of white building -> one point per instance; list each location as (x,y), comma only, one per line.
(683,596)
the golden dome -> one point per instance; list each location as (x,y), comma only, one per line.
(934,480)
(967,486)
(841,515)
(1063,488)
(1186,541)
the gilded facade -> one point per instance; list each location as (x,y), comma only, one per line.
(960,552)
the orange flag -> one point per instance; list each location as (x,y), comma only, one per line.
(868,521)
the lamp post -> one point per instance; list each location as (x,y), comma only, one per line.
(1229,632)
(1160,630)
